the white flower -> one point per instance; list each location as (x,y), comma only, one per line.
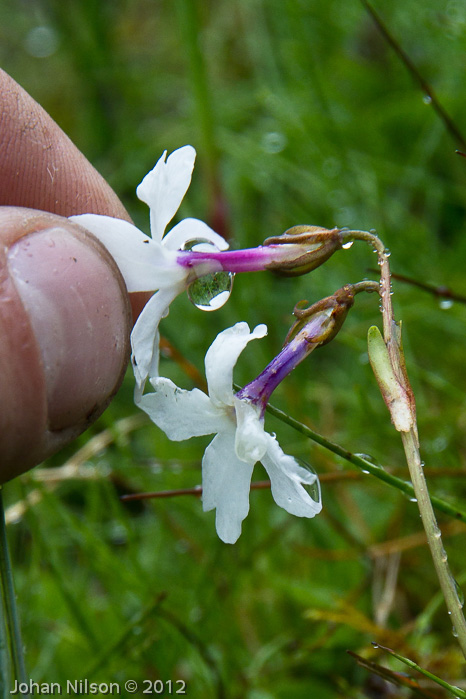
(240,439)
(149,264)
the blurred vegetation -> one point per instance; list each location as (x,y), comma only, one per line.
(301,113)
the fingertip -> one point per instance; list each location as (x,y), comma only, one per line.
(76,320)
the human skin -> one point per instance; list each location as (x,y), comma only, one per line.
(65,314)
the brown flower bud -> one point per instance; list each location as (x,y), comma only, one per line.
(310,246)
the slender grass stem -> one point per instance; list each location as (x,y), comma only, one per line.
(434,538)
(411,444)
(10,611)
(365,465)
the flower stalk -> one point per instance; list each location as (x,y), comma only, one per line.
(315,326)
(298,251)
(389,368)
(10,622)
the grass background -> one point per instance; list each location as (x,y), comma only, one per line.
(301,113)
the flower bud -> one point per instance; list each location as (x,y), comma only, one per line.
(310,247)
(394,388)
(315,326)
(321,322)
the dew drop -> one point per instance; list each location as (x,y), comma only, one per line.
(370,459)
(427,99)
(412,499)
(310,480)
(41,42)
(459,593)
(445,304)
(274,142)
(211,291)
(348,245)
(199,245)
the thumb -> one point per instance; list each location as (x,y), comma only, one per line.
(64,334)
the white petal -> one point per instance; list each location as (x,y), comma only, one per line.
(145,337)
(181,414)
(192,229)
(222,356)
(164,187)
(251,440)
(225,485)
(144,263)
(287,478)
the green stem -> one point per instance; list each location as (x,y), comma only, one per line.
(411,444)
(366,466)
(191,35)
(434,537)
(10,610)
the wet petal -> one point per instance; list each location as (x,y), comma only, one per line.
(287,479)
(144,264)
(251,440)
(164,187)
(192,229)
(225,485)
(145,336)
(222,356)
(181,414)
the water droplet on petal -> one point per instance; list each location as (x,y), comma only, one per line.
(199,245)
(312,483)
(445,304)
(348,245)
(212,291)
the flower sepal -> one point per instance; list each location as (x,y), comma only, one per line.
(309,247)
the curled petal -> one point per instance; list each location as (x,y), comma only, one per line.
(145,336)
(225,486)
(164,187)
(222,356)
(288,480)
(192,229)
(251,440)
(181,414)
(144,263)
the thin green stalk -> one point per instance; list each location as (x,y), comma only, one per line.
(191,34)
(5,665)
(366,466)
(434,538)
(409,436)
(10,611)
(456,691)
